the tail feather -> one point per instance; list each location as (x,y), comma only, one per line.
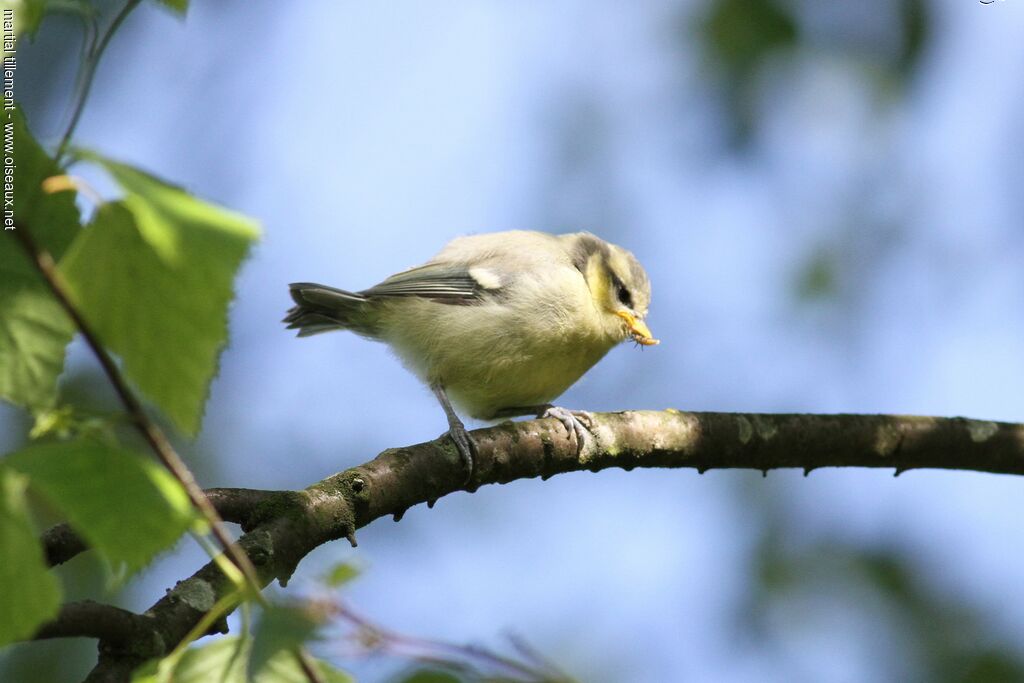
(320,308)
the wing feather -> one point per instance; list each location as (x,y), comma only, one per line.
(442,282)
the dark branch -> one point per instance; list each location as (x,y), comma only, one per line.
(291,524)
(237,506)
(112,625)
(61,543)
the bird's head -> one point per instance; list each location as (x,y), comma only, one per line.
(618,285)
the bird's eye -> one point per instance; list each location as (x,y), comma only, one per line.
(623,294)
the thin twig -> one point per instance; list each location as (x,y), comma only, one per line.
(94,51)
(149,430)
(441,652)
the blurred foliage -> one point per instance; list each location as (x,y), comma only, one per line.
(741,34)
(341,573)
(30,593)
(455,674)
(938,636)
(462,671)
(819,278)
(833,271)
(225,660)
(740,39)
(87,576)
(428,675)
(48,661)
(180,7)
(915,22)
(28,14)
(83,479)
(283,627)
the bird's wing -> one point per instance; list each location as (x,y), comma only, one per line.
(449,283)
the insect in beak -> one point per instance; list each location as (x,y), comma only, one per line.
(641,333)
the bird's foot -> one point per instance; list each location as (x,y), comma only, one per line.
(464,445)
(457,431)
(577,423)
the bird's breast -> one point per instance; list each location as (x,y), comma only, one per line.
(511,353)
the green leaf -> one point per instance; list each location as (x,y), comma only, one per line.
(65,422)
(34,333)
(819,277)
(282,628)
(28,14)
(34,330)
(739,37)
(740,34)
(284,668)
(341,573)
(153,274)
(30,595)
(430,676)
(57,422)
(180,7)
(224,660)
(916,34)
(126,506)
(52,218)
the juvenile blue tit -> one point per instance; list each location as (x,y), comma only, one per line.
(499,324)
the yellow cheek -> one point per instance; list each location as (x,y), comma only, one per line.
(597,281)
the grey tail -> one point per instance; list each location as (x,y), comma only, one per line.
(320,308)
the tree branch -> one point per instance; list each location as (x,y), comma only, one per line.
(238,505)
(61,542)
(289,525)
(112,625)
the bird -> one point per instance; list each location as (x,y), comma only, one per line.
(498,324)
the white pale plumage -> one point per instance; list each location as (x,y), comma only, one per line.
(501,323)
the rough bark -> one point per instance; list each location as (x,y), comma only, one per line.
(285,526)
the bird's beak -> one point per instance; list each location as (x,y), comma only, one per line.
(637,328)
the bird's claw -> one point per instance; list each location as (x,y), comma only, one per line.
(464,445)
(577,423)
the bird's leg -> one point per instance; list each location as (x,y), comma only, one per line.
(456,430)
(577,423)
